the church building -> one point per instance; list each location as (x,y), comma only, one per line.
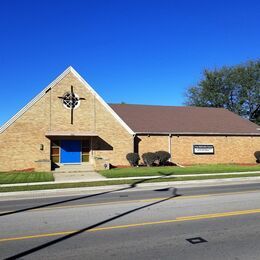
(69,123)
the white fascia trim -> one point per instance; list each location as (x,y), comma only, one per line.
(53,83)
(101,100)
(196,133)
(34,100)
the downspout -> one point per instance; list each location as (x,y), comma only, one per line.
(170,146)
(92,160)
(134,143)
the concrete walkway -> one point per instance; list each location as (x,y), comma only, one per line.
(65,177)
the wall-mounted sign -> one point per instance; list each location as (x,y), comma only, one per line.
(203,149)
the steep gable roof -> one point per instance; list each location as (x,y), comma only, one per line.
(51,85)
(183,120)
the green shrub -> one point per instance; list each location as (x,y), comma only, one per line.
(133,158)
(163,157)
(257,156)
(149,158)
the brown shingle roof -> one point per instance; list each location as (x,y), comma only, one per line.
(173,119)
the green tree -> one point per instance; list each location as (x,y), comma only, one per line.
(236,88)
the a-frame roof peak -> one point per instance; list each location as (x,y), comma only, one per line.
(51,85)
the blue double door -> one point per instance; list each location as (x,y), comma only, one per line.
(70,151)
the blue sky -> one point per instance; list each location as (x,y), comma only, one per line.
(145,52)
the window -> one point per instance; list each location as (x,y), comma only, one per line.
(71,100)
(85,150)
(55,151)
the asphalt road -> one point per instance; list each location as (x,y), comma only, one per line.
(135,224)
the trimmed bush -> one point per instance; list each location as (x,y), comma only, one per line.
(163,157)
(133,158)
(149,158)
(257,156)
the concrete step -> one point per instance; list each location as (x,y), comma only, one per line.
(74,168)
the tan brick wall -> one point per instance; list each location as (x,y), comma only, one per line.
(20,142)
(112,133)
(152,144)
(230,149)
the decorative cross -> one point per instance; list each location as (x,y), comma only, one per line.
(71,101)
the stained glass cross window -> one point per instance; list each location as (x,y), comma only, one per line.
(71,101)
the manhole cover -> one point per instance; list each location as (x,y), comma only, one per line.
(196,240)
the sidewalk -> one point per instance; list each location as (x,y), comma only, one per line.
(20,195)
(97,177)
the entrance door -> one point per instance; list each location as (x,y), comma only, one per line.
(70,151)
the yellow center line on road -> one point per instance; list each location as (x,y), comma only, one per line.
(134,201)
(178,219)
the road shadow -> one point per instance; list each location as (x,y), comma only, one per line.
(131,186)
(60,202)
(73,234)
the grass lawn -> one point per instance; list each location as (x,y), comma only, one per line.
(117,182)
(24,177)
(174,170)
